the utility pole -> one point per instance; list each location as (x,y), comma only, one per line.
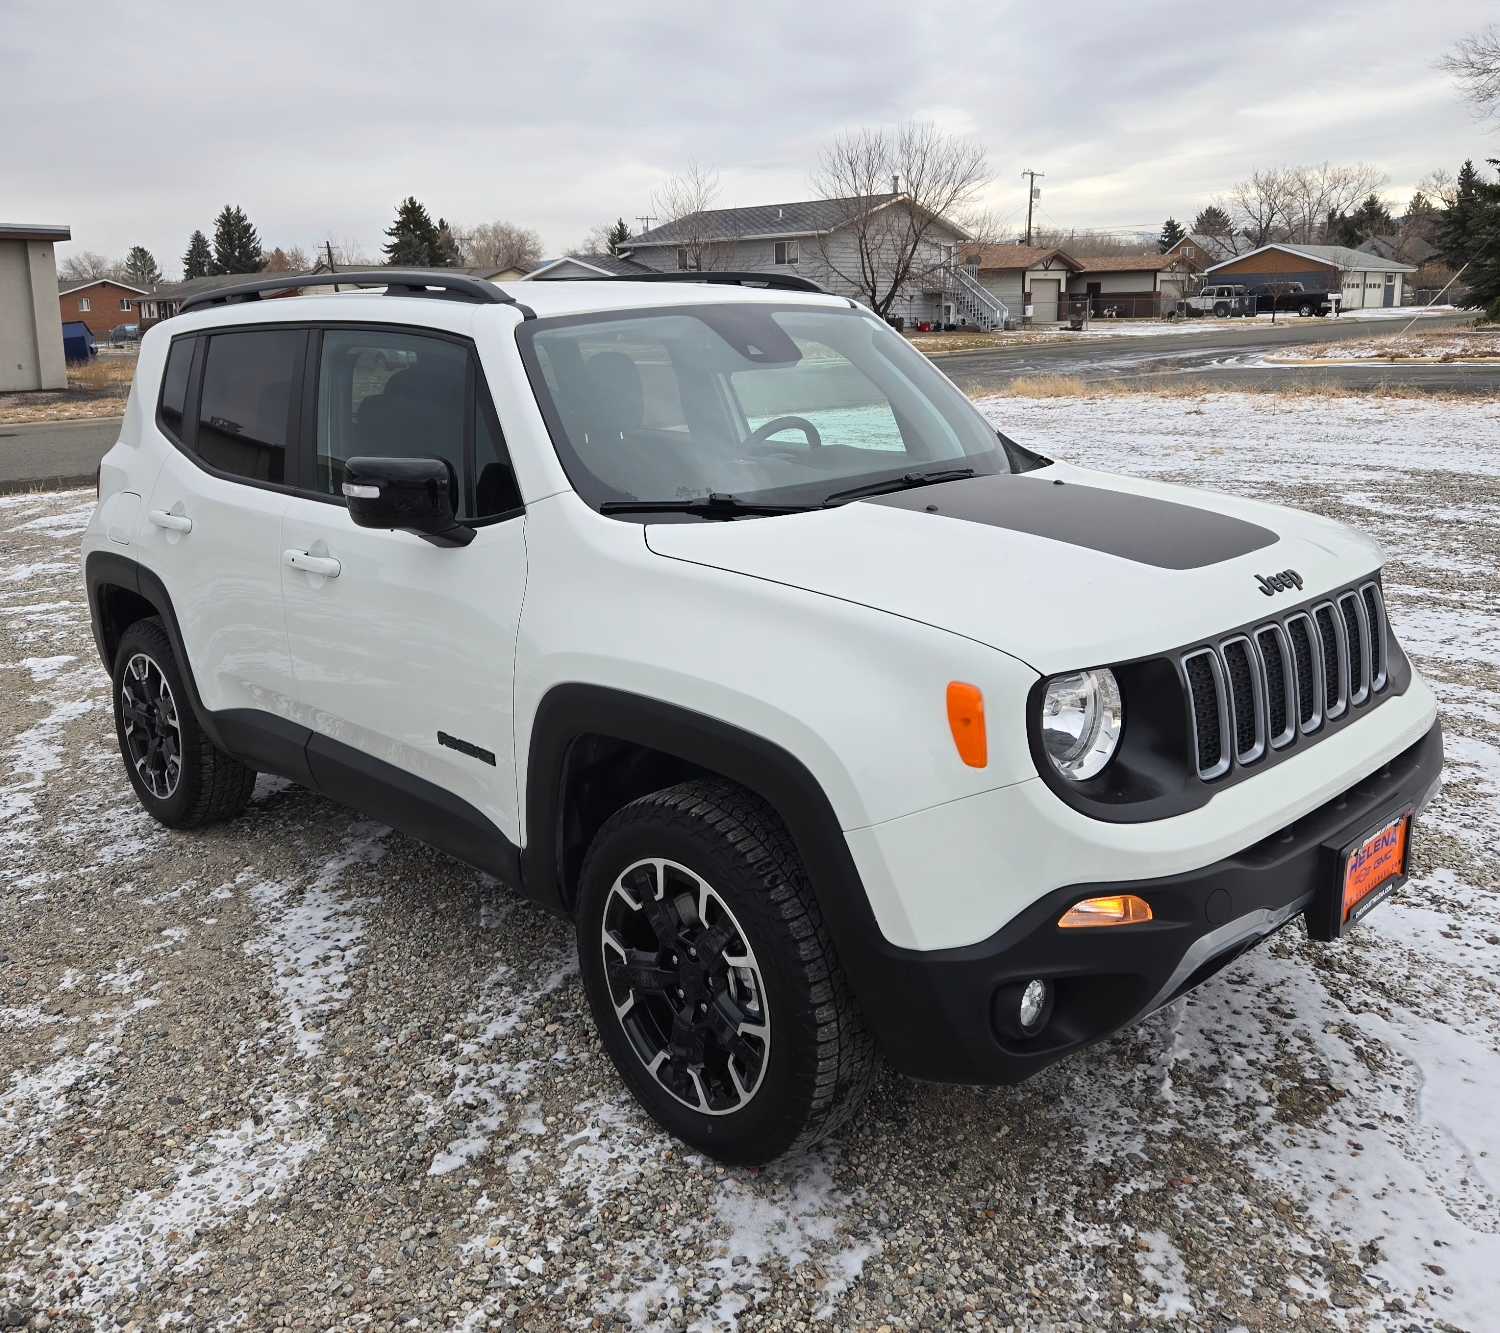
(1031,194)
(646,221)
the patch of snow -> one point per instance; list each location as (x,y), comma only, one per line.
(1162,1266)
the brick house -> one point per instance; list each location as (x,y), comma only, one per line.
(103,304)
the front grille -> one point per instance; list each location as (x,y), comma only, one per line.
(1248,692)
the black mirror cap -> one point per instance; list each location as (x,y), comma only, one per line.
(417,495)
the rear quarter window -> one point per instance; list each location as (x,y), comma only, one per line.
(174,387)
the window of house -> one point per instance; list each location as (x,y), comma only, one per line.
(387,394)
(1390,278)
(124,304)
(174,383)
(84,304)
(245,413)
(786,252)
(682,257)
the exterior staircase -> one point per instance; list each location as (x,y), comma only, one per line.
(970,300)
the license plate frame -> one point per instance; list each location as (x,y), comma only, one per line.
(1369,869)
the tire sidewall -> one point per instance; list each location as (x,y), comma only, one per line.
(147,637)
(781,1104)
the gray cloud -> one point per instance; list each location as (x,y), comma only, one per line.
(318,118)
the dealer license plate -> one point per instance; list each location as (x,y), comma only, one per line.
(1373,867)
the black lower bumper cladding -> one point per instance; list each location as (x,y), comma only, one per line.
(936,1019)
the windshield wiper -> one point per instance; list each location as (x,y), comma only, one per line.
(714,505)
(904,482)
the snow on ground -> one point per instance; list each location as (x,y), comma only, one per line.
(300,1068)
(1466,345)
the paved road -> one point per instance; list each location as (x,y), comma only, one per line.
(1230,357)
(54,452)
(69,451)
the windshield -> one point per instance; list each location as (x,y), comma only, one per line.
(769,404)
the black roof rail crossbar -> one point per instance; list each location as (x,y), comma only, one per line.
(782,282)
(396,281)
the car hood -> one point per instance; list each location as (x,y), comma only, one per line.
(1062,568)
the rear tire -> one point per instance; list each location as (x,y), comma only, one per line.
(180,776)
(751,1046)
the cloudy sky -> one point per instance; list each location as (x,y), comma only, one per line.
(136,122)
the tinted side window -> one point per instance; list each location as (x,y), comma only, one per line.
(174,384)
(495,482)
(386,394)
(250,381)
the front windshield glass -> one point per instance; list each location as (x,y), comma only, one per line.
(769,404)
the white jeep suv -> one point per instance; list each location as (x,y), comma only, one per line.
(709,614)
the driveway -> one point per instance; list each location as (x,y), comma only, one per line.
(299,1071)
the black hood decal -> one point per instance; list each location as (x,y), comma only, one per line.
(1133,527)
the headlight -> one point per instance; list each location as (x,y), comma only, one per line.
(1081,721)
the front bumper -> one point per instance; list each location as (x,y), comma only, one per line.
(933,1010)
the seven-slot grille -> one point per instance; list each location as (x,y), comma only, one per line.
(1254,692)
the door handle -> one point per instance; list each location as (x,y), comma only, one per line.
(172,522)
(325,565)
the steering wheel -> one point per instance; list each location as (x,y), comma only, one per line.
(762,434)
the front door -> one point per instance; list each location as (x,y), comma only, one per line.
(1390,290)
(1044,299)
(403,650)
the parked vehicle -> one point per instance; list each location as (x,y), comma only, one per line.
(717,620)
(1294,296)
(1222,299)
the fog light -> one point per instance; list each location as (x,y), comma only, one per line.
(1033,1005)
(1023,1008)
(1115,909)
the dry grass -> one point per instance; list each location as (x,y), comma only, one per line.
(110,371)
(96,388)
(1071,386)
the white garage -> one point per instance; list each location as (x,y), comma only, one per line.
(31,347)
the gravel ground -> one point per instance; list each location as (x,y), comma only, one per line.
(301,1071)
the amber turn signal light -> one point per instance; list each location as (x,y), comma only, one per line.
(1115,909)
(966,721)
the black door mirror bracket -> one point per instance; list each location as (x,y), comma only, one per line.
(417,495)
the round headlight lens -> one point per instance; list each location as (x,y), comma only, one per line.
(1081,721)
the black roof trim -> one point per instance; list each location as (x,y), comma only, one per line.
(781,282)
(396,281)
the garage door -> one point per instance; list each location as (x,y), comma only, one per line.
(1044,295)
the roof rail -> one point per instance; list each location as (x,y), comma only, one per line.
(781,282)
(396,281)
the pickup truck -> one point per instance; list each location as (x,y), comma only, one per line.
(1291,296)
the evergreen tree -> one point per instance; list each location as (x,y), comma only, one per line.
(616,236)
(236,243)
(199,259)
(447,253)
(1213,221)
(414,238)
(1483,257)
(140,268)
(1341,229)
(1371,218)
(1171,233)
(1456,228)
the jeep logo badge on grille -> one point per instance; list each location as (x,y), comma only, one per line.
(1271,584)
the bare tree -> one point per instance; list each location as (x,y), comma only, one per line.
(1295,203)
(497,244)
(685,201)
(1259,205)
(896,192)
(1474,62)
(86,266)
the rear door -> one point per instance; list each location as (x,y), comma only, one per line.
(406,653)
(229,405)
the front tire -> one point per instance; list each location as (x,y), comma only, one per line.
(1221,310)
(182,779)
(712,977)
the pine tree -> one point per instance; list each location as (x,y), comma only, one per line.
(616,236)
(1171,233)
(1456,228)
(1212,221)
(140,268)
(446,253)
(236,243)
(414,239)
(199,259)
(1371,218)
(1483,256)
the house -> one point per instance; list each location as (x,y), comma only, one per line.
(1197,250)
(101,303)
(165,300)
(31,345)
(583,266)
(1364,279)
(819,239)
(1128,286)
(1030,280)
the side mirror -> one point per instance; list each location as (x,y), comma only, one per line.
(417,495)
